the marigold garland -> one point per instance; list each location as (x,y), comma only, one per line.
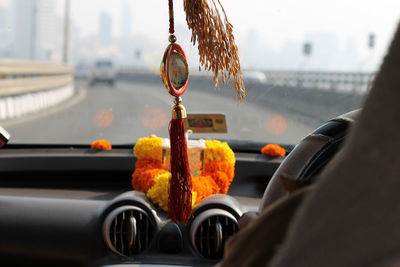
(151,177)
(217,150)
(144,179)
(148,148)
(101,145)
(220,165)
(159,192)
(149,164)
(222,172)
(204,186)
(273,150)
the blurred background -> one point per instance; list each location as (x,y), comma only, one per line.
(270,34)
(304,62)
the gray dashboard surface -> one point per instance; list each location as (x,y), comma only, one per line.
(53,203)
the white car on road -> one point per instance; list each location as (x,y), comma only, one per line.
(103,71)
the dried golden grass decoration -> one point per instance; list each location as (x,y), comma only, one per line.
(214,35)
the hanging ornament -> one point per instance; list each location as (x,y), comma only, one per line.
(216,43)
(175,75)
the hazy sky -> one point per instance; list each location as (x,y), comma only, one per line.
(275,23)
(275,20)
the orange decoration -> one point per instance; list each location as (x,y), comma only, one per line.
(153,118)
(152,177)
(276,124)
(143,179)
(145,171)
(222,180)
(273,150)
(101,145)
(204,186)
(104,118)
(221,172)
(220,165)
(149,164)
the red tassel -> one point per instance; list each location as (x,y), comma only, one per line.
(180,191)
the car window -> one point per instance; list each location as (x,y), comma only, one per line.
(79,70)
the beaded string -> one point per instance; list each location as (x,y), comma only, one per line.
(171,16)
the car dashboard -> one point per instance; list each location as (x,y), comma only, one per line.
(76,206)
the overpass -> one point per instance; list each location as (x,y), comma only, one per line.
(28,86)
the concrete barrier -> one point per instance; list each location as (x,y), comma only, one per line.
(346,82)
(309,102)
(27,87)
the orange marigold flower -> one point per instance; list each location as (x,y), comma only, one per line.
(143,179)
(204,186)
(101,145)
(222,180)
(273,150)
(148,164)
(220,165)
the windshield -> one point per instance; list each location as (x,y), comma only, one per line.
(73,71)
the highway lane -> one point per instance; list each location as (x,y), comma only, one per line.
(130,110)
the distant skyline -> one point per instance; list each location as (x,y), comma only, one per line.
(34,27)
(105,29)
(270,34)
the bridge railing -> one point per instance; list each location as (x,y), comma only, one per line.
(28,86)
(353,82)
(350,82)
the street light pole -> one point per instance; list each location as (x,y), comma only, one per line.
(66,32)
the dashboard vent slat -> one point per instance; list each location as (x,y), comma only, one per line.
(128,230)
(121,232)
(209,231)
(139,239)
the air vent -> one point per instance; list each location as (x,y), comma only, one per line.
(128,230)
(209,231)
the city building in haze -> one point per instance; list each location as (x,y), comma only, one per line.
(5,33)
(24,28)
(126,15)
(35,28)
(105,29)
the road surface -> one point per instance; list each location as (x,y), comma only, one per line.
(133,109)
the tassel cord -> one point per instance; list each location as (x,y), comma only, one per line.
(171,16)
(180,194)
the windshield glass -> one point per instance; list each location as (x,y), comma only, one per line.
(303,63)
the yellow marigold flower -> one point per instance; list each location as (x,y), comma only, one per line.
(217,150)
(148,148)
(159,192)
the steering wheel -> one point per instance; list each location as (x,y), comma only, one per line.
(308,158)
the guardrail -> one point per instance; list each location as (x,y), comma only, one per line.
(310,97)
(27,86)
(354,82)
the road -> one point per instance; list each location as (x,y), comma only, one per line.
(131,110)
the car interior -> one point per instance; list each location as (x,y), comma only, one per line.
(332,199)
